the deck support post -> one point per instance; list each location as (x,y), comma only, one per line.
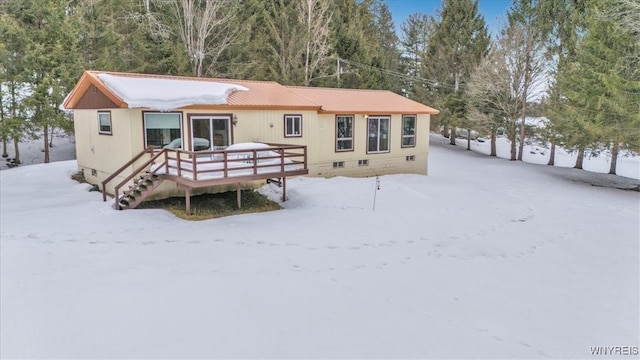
(238,195)
(284,188)
(187,200)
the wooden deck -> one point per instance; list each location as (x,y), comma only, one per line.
(200,169)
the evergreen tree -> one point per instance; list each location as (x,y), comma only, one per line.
(48,53)
(601,88)
(560,35)
(458,43)
(416,31)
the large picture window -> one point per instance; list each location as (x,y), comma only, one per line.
(160,129)
(104,122)
(378,134)
(344,133)
(408,130)
(293,125)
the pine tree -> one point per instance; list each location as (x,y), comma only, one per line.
(416,31)
(458,43)
(602,88)
(49,57)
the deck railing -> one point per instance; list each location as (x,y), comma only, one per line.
(207,165)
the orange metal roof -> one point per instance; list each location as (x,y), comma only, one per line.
(271,95)
(342,101)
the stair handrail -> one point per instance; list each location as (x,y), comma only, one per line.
(135,173)
(122,168)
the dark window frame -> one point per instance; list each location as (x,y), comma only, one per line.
(388,139)
(295,117)
(105,132)
(415,129)
(352,138)
(144,126)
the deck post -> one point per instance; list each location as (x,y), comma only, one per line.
(187,200)
(284,188)
(238,195)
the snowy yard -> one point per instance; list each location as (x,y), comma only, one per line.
(482,258)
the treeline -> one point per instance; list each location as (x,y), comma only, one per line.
(446,60)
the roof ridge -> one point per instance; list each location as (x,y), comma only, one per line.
(177,77)
(333,89)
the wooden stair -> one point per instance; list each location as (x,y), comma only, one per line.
(139,191)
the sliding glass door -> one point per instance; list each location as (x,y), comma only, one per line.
(210,133)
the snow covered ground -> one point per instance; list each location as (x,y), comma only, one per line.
(32,151)
(482,258)
(628,163)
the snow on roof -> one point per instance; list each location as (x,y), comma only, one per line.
(168,94)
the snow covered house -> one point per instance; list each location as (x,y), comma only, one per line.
(210,135)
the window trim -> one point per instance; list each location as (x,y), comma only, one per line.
(144,126)
(210,115)
(415,130)
(110,132)
(294,116)
(388,117)
(353,131)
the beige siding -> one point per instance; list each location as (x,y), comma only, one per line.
(106,153)
(102,154)
(393,162)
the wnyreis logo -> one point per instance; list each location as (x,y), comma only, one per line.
(615,350)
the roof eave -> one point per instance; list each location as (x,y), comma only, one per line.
(87,79)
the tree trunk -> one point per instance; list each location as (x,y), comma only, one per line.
(493,143)
(552,155)
(16,148)
(452,139)
(51,136)
(469,139)
(614,158)
(522,126)
(4,136)
(46,144)
(445,131)
(580,158)
(513,149)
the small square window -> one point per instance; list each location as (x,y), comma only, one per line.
(104,123)
(363,162)
(411,158)
(338,164)
(293,125)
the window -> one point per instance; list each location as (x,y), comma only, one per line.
(160,129)
(378,134)
(210,132)
(104,122)
(344,133)
(293,125)
(363,162)
(338,164)
(408,130)
(411,158)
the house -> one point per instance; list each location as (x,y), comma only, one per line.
(188,126)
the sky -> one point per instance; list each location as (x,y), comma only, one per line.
(494,11)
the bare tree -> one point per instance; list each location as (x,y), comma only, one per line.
(315,16)
(497,86)
(205,28)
